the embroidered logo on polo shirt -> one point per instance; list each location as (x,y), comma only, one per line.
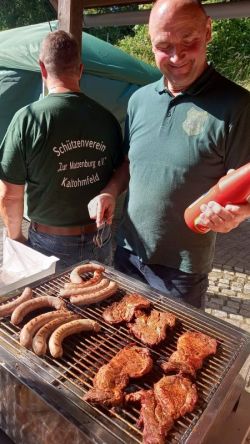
(194,122)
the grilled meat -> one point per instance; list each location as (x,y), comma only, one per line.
(151,329)
(112,378)
(192,348)
(153,419)
(172,397)
(124,310)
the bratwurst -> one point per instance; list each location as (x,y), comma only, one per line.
(70,328)
(95,279)
(39,343)
(32,326)
(85,268)
(9,307)
(84,290)
(40,302)
(94,297)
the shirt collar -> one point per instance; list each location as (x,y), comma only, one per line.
(197,86)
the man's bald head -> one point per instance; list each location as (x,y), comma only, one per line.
(180,31)
(166,11)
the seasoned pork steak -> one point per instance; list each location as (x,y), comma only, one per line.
(151,329)
(192,348)
(112,378)
(124,310)
(172,397)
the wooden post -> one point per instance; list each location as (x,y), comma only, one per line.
(70,18)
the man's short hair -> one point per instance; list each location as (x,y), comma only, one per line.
(60,53)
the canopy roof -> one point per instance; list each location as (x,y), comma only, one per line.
(19,49)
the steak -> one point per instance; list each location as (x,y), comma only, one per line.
(112,378)
(124,310)
(192,348)
(172,397)
(151,329)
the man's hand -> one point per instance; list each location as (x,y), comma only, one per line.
(223,219)
(102,208)
(22,239)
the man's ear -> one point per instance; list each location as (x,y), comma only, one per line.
(209,30)
(43,70)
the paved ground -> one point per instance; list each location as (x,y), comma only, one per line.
(233,249)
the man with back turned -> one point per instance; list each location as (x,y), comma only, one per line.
(64,149)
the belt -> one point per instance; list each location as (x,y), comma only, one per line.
(64,231)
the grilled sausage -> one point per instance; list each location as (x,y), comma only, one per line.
(32,326)
(39,343)
(93,298)
(40,302)
(97,277)
(9,307)
(70,328)
(85,268)
(86,290)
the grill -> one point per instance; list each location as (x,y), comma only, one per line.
(62,383)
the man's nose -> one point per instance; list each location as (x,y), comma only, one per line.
(177,53)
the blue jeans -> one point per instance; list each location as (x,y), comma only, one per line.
(186,287)
(72,249)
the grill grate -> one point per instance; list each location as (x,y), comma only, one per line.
(85,354)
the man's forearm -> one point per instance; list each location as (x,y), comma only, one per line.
(119,181)
(11,208)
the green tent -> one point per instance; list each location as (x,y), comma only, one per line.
(110,75)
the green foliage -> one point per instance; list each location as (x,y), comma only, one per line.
(139,45)
(230,48)
(15,13)
(112,34)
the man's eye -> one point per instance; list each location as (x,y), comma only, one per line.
(164,48)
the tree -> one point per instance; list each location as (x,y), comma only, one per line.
(15,13)
(112,34)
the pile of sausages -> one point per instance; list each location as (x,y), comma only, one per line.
(48,330)
(53,326)
(95,289)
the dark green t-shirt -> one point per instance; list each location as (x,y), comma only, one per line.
(178,148)
(65,148)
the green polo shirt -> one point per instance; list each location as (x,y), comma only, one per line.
(65,148)
(178,148)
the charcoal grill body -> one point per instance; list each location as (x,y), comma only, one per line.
(59,385)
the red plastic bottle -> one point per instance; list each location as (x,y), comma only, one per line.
(233,188)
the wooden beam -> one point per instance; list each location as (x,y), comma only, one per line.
(87,4)
(70,18)
(102,3)
(54,3)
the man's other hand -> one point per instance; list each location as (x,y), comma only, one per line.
(102,208)
(223,219)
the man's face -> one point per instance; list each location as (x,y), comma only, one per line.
(179,45)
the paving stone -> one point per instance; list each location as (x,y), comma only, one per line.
(245,313)
(233,322)
(228,292)
(245,327)
(247,288)
(219,314)
(236,317)
(230,310)
(232,304)
(217,300)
